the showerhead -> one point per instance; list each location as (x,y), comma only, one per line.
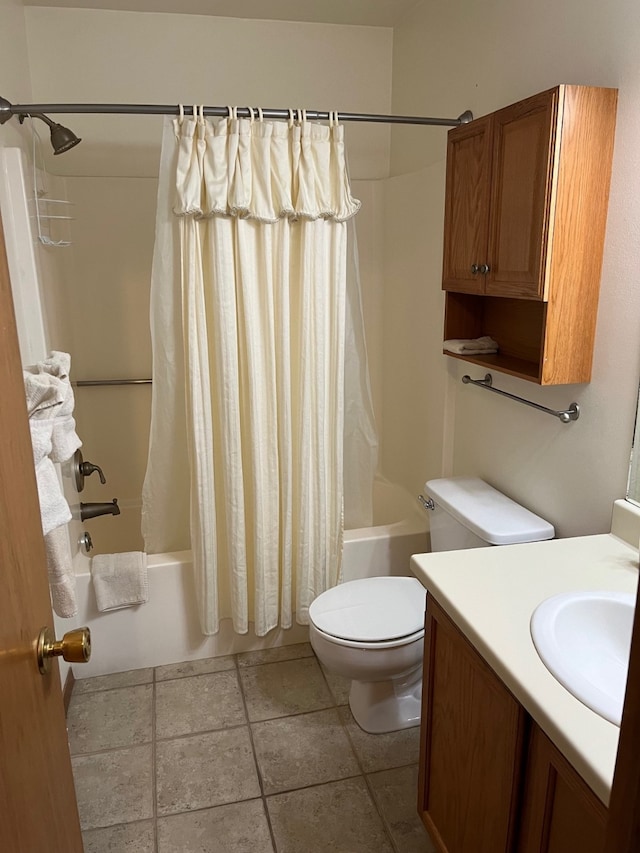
(62,139)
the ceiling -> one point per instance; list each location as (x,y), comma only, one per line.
(373,13)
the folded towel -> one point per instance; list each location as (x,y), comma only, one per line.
(120,580)
(44,395)
(471,346)
(65,440)
(62,578)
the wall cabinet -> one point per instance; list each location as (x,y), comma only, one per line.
(490,781)
(525,215)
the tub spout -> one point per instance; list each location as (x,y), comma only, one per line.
(93,510)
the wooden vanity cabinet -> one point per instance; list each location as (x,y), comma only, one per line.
(525,215)
(560,812)
(490,781)
(472,743)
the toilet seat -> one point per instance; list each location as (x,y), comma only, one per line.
(376,612)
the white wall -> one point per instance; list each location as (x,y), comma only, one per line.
(14,67)
(450,55)
(128,57)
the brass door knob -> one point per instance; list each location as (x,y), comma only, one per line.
(74,647)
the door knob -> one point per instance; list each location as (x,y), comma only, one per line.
(484,269)
(475,269)
(74,647)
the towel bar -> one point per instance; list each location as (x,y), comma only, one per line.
(83,383)
(570,414)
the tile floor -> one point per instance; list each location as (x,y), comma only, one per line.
(251,753)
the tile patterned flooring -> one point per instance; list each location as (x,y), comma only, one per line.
(250,753)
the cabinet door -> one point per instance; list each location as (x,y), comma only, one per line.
(523,148)
(466,213)
(560,812)
(471,746)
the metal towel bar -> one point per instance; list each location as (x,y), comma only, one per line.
(83,383)
(570,414)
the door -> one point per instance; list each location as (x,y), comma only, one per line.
(466,212)
(523,146)
(37,797)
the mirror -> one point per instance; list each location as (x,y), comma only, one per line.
(633,483)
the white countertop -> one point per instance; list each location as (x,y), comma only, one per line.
(490,593)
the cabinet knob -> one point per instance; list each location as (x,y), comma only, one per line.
(484,269)
(475,269)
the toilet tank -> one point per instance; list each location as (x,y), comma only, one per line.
(469,513)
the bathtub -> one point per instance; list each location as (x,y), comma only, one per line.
(166,629)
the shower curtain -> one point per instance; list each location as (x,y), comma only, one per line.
(251,323)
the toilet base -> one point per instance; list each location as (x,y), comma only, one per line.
(387,706)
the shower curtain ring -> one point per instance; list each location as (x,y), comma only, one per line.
(180,113)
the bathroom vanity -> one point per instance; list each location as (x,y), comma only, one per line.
(510,761)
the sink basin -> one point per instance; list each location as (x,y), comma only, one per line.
(583,638)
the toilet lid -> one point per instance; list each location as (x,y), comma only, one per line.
(371,610)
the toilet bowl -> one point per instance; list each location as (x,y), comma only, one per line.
(372,630)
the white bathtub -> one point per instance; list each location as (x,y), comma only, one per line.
(166,629)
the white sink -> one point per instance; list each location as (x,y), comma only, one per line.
(583,639)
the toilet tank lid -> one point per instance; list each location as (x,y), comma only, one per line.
(487,512)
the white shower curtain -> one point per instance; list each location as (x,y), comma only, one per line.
(248,324)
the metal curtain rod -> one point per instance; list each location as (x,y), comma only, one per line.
(7,110)
(84,383)
(570,414)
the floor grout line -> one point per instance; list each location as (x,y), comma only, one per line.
(154,766)
(255,761)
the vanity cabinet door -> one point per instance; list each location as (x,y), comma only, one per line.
(560,812)
(472,741)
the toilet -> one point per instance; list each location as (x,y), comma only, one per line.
(372,630)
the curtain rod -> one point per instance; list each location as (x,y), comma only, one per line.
(7,110)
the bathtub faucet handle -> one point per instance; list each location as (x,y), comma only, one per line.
(427,503)
(84,469)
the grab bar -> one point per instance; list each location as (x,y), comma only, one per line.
(570,414)
(83,383)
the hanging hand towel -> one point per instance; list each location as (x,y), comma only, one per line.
(62,579)
(120,580)
(471,346)
(45,395)
(65,440)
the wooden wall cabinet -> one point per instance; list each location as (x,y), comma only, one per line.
(490,780)
(525,216)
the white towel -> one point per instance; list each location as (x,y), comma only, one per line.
(471,346)
(44,395)
(65,440)
(62,579)
(120,580)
